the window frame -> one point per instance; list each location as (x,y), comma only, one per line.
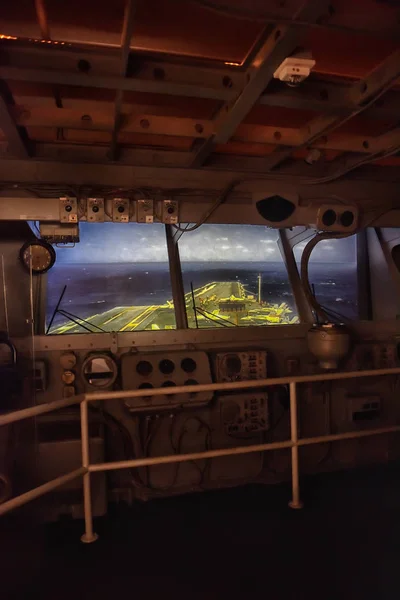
(288,239)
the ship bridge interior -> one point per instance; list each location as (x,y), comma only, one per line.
(199,259)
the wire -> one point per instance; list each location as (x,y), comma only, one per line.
(178,237)
(282,155)
(177,450)
(336,315)
(46,190)
(371,158)
(305,258)
(125,437)
(214,318)
(320,310)
(220,200)
(202,425)
(147,450)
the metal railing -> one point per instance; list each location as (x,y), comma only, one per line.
(87,468)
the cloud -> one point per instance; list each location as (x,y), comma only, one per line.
(135,242)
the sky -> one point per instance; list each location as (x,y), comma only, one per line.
(133,242)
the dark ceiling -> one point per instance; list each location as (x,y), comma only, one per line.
(189,83)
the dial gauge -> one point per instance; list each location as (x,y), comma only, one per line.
(38,254)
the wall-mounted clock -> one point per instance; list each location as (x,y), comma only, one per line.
(38,254)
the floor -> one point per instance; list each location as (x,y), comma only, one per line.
(242,543)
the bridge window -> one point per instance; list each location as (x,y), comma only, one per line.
(116,279)
(333,275)
(237,275)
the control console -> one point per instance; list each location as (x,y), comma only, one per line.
(240,366)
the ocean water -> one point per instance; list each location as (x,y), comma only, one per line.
(96,288)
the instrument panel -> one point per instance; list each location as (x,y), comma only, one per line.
(240,366)
(157,370)
(244,414)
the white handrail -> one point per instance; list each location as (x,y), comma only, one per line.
(40,491)
(294,443)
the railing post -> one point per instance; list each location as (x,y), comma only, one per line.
(88,537)
(295,502)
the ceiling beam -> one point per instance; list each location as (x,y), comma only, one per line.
(153,156)
(88,67)
(15,135)
(167,177)
(33,116)
(310,96)
(127,29)
(135,121)
(280,43)
(114,82)
(41,16)
(361,95)
(323,97)
(89,154)
(389,145)
(36,64)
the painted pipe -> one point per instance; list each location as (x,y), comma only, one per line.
(178,458)
(41,409)
(294,436)
(163,460)
(348,435)
(5,488)
(89,536)
(236,385)
(39,491)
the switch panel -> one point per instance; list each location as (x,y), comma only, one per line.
(145,211)
(120,210)
(95,210)
(244,414)
(68,210)
(161,369)
(240,366)
(170,212)
(40,376)
(364,408)
(60,233)
(378,355)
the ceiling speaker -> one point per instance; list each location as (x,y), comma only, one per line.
(337,217)
(275,208)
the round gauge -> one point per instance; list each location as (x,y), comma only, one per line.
(68,361)
(68,377)
(38,254)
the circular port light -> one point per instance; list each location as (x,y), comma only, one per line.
(347,218)
(166,366)
(188,365)
(329,218)
(99,370)
(144,368)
